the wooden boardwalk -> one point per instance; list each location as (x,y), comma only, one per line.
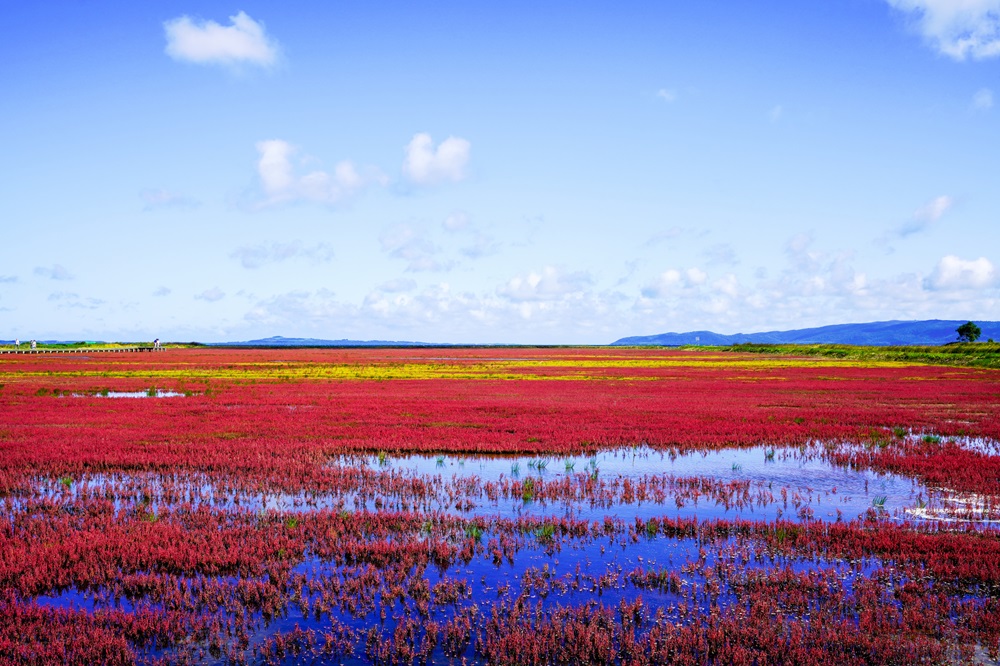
(82,350)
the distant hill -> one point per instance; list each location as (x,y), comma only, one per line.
(278,341)
(879,333)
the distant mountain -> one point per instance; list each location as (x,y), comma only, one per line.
(278,341)
(879,333)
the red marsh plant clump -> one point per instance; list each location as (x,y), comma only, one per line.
(255,514)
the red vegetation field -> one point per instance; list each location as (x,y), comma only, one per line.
(268,510)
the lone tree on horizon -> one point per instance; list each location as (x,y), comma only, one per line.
(968,332)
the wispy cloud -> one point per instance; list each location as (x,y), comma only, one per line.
(55,272)
(663,236)
(161,291)
(159,198)
(666,95)
(8,279)
(399,285)
(959,29)
(922,219)
(457,221)
(243,41)
(982,100)
(426,165)
(483,245)
(65,299)
(405,242)
(721,253)
(211,295)
(800,253)
(255,256)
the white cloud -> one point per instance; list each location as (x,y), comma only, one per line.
(673,281)
(776,112)
(695,276)
(663,284)
(547,284)
(955,273)
(728,285)
(56,272)
(687,295)
(813,284)
(813,289)
(255,256)
(161,291)
(282,185)
(958,29)
(8,279)
(982,100)
(426,165)
(438,312)
(552,305)
(296,307)
(666,95)
(206,42)
(211,295)
(275,166)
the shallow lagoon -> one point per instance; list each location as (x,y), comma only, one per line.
(759,483)
(543,570)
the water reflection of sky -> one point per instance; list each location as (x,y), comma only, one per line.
(804,474)
(758,483)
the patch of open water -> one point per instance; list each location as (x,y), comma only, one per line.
(149,393)
(759,483)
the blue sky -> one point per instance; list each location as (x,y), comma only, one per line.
(571,173)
